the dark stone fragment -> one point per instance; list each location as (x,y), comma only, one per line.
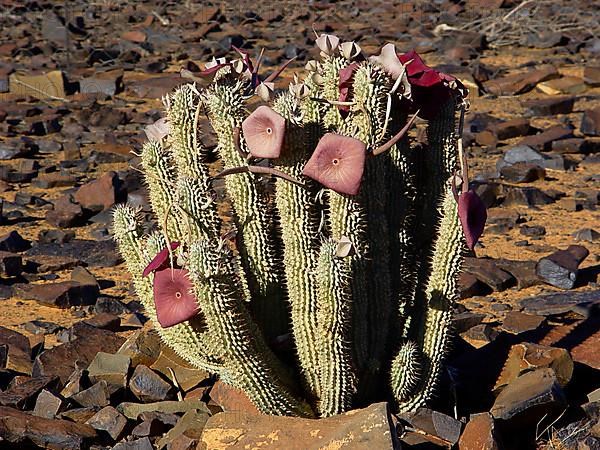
(527,196)
(550,106)
(13,242)
(432,426)
(92,253)
(97,395)
(536,230)
(559,302)
(489,273)
(590,123)
(109,420)
(529,398)
(148,386)
(63,294)
(11,265)
(47,405)
(560,268)
(523,173)
(55,236)
(543,141)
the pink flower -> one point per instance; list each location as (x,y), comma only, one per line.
(264,131)
(338,163)
(173,297)
(472,214)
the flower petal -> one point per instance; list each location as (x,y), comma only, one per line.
(338,163)
(264,131)
(160,259)
(472,214)
(173,297)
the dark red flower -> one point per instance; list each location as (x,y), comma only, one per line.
(160,260)
(173,297)
(429,88)
(472,214)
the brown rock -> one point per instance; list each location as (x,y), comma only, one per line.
(550,106)
(47,405)
(66,213)
(156,87)
(517,322)
(526,357)
(95,396)
(19,428)
(358,429)
(22,391)
(512,128)
(590,123)
(190,424)
(79,415)
(591,75)
(570,145)
(431,426)
(52,180)
(147,386)
(18,358)
(528,398)
(522,271)
(522,172)
(134,410)
(136,36)
(543,141)
(99,194)
(110,420)
(581,338)
(112,368)
(187,376)
(564,85)
(231,399)
(143,347)
(521,82)
(105,321)
(489,273)
(479,434)
(62,360)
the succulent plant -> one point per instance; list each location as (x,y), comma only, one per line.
(314,265)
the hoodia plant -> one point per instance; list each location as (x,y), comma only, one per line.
(326,275)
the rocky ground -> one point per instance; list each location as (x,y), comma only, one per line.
(78,367)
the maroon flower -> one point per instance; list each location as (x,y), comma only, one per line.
(429,88)
(173,297)
(337,163)
(264,131)
(160,260)
(472,214)
(345,83)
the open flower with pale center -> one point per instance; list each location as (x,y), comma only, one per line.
(338,163)
(264,131)
(472,214)
(173,298)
